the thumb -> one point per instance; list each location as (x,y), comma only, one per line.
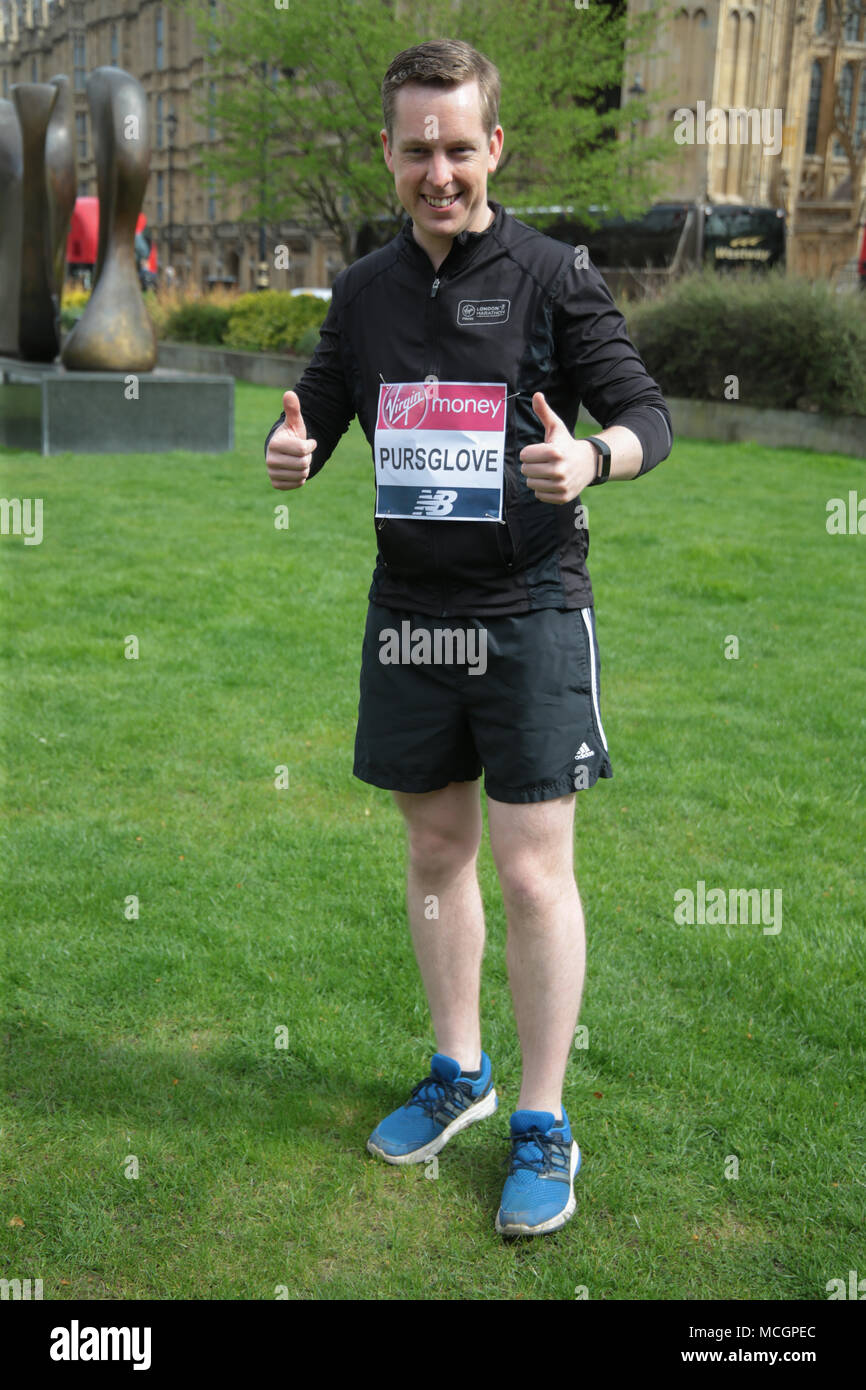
(548,417)
(294,419)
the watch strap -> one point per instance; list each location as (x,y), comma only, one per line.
(603,471)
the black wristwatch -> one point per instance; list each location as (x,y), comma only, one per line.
(603,472)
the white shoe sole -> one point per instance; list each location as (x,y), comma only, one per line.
(553,1223)
(479,1111)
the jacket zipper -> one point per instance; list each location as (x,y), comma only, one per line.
(434,290)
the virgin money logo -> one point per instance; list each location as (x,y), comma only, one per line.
(404,406)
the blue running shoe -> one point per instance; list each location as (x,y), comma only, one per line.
(439,1107)
(539,1191)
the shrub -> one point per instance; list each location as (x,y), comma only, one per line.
(272,320)
(197,321)
(790,342)
(307,342)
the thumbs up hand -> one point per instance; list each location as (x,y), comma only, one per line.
(290,451)
(559,469)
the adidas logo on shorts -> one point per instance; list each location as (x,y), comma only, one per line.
(584,752)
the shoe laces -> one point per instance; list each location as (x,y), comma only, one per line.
(540,1153)
(434,1092)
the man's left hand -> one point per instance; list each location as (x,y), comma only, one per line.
(559,469)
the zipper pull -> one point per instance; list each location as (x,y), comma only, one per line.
(435,288)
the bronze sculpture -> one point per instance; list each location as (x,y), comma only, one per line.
(11,168)
(115,332)
(38,336)
(62,176)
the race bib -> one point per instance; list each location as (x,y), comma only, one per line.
(439,450)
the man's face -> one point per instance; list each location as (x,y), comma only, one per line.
(440,149)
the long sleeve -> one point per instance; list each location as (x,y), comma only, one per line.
(603,366)
(326,404)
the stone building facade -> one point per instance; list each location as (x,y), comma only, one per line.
(767,56)
(779,59)
(213,242)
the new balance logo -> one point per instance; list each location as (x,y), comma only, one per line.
(584,752)
(434,502)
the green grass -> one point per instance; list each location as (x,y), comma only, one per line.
(154,1037)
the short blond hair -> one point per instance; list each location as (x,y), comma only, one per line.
(443,63)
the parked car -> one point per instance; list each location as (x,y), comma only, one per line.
(319,293)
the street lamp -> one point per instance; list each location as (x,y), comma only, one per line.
(635,90)
(171,122)
(270,80)
(262,276)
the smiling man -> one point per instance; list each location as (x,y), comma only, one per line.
(465,347)
(440,162)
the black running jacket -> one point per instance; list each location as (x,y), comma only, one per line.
(545,326)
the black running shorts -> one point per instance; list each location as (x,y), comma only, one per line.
(444,698)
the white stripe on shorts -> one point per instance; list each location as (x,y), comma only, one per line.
(586,614)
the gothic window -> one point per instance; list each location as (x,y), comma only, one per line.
(846,93)
(860,118)
(814,108)
(114,46)
(159,123)
(821,18)
(79,61)
(160,56)
(852,21)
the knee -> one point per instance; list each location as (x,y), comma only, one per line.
(531,885)
(438,852)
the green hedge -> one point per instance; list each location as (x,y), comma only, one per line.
(790,342)
(265,321)
(198,322)
(273,320)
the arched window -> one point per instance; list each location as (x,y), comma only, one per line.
(860,118)
(79,61)
(115,46)
(821,18)
(160,56)
(846,94)
(159,123)
(852,21)
(814,108)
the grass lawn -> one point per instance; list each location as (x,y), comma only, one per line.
(146,1043)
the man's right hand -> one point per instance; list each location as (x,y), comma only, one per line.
(290,451)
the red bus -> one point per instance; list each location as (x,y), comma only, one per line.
(83,242)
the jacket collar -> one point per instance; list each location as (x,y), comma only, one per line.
(463,246)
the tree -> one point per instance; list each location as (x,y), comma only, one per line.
(298,106)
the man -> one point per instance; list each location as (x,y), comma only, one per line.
(465,346)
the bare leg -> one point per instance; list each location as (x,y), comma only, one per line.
(444,832)
(533,849)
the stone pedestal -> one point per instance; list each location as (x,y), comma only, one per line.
(46,408)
